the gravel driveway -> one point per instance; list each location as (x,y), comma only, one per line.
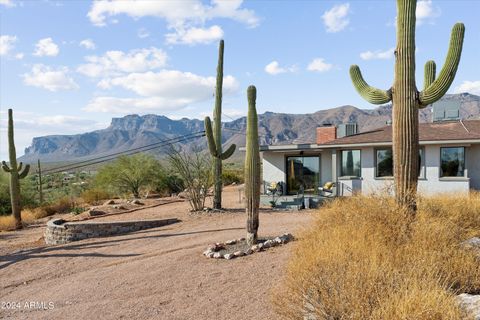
(152,274)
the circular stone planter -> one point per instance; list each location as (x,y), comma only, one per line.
(59,231)
(215,250)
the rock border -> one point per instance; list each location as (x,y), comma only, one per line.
(213,250)
(59,231)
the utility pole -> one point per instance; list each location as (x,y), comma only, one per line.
(40,187)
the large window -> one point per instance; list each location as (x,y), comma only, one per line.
(452,162)
(351,166)
(384,163)
(303,174)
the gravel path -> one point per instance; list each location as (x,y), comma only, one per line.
(152,274)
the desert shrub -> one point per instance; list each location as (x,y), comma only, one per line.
(170,183)
(5,206)
(195,170)
(131,174)
(362,259)
(230,176)
(95,196)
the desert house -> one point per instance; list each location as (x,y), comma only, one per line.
(363,162)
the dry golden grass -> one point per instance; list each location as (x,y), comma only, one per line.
(30,215)
(362,260)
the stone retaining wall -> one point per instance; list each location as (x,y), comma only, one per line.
(59,231)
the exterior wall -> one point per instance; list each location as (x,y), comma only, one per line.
(430,183)
(274,166)
(433,183)
(473,165)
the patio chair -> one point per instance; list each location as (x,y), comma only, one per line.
(327,191)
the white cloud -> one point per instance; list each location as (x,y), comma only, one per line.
(186,17)
(46,47)
(378,55)
(274,68)
(88,44)
(195,35)
(143,33)
(172,84)
(426,11)
(175,12)
(7,44)
(45,77)
(336,19)
(472,87)
(161,91)
(7,3)
(114,63)
(319,65)
(19,56)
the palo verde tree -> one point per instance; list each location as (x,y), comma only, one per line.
(252,168)
(407,100)
(131,174)
(16,173)
(214,137)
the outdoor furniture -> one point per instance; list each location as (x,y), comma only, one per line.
(327,191)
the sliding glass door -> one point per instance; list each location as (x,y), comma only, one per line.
(303,174)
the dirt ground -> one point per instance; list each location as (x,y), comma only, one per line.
(151,274)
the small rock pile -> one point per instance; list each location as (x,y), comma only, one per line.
(215,250)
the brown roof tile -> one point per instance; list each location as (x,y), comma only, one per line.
(438,131)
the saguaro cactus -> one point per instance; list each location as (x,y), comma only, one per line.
(214,137)
(16,173)
(252,168)
(407,100)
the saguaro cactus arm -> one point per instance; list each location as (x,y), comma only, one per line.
(24,173)
(228,153)
(212,146)
(429,77)
(5,167)
(439,87)
(430,73)
(369,93)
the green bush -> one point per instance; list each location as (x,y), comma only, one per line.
(131,174)
(230,176)
(95,196)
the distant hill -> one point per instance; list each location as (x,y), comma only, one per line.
(134,131)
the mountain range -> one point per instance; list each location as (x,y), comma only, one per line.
(134,131)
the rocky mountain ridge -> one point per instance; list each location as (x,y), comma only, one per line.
(135,131)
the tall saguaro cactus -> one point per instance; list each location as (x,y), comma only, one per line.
(16,173)
(214,137)
(407,100)
(252,168)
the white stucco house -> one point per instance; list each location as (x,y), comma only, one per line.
(362,162)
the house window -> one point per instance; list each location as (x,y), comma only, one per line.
(452,162)
(351,166)
(303,174)
(384,163)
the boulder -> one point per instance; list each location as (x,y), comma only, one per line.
(96,213)
(470,303)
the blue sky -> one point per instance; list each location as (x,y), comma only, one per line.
(70,66)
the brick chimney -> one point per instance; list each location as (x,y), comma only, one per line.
(326,134)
